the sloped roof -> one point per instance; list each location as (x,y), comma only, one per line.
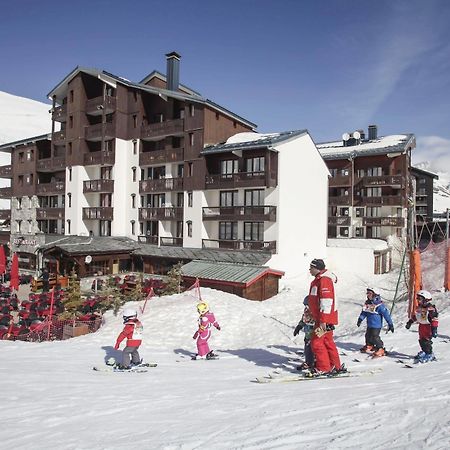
(30,140)
(424,172)
(82,245)
(380,146)
(226,272)
(253,141)
(161,76)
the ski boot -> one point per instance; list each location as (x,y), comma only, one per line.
(427,357)
(419,355)
(366,349)
(211,355)
(379,353)
(303,367)
(336,372)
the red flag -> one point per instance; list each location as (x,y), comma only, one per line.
(2,260)
(14,281)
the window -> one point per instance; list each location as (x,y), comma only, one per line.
(179,232)
(333,172)
(134,147)
(189,228)
(228,230)
(68,226)
(190,199)
(344,172)
(190,167)
(359,232)
(19,203)
(180,170)
(133,170)
(373,211)
(228,198)
(105,228)
(21,157)
(217,116)
(29,154)
(69,170)
(253,231)
(20,180)
(106,173)
(70,148)
(18,225)
(159,117)
(343,231)
(133,201)
(71,96)
(132,227)
(141,228)
(69,199)
(191,110)
(106,201)
(254,197)
(374,171)
(422,180)
(359,212)
(134,121)
(360,173)
(191,139)
(180,199)
(70,121)
(254,165)
(228,167)
(343,211)
(373,192)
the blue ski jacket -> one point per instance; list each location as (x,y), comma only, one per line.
(374,311)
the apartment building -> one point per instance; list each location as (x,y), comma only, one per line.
(423,188)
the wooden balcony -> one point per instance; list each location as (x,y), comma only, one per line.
(171,241)
(237,180)
(251,213)
(95,106)
(386,200)
(105,157)
(152,240)
(98,186)
(49,213)
(159,130)
(340,181)
(6,171)
(341,221)
(395,181)
(5,214)
(59,137)
(6,192)
(384,221)
(51,164)
(161,185)
(100,131)
(341,200)
(168,213)
(59,113)
(98,213)
(56,187)
(266,246)
(161,156)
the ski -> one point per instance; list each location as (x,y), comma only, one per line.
(137,369)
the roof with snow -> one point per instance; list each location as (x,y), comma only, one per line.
(374,244)
(250,141)
(397,143)
(424,172)
(31,140)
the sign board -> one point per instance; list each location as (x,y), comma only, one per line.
(88,259)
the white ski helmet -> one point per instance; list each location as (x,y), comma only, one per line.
(129,313)
(424,294)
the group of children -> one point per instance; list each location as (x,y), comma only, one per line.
(374,311)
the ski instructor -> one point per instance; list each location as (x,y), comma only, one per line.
(323,308)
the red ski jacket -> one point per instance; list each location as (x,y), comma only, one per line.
(321,299)
(132,332)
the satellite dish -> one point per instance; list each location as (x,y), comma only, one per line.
(88,259)
(357,135)
(345,137)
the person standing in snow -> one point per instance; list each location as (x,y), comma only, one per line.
(374,311)
(205,321)
(322,304)
(132,332)
(427,316)
(307,325)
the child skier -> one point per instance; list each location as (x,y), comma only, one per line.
(132,332)
(374,311)
(307,325)
(427,317)
(205,320)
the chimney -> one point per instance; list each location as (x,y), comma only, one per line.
(373,132)
(362,135)
(173,71)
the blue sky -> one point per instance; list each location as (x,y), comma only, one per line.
(330,66)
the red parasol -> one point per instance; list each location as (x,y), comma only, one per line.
(14,282)
(2,260)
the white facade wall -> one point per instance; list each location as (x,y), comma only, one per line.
(74,213)
(194,214)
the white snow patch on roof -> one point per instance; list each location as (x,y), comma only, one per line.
(249,137)
(374,244)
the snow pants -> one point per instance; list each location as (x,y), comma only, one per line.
(202,342)
(309,355)
(373,338)
(425,342)
(130,352)
(325,351)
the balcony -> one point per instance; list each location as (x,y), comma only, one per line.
(5,214)
(159,130)
(59,137)
(384,221)
(51,164)
(237,180)
(59,113)
(6,171)
(105,157)
(340,181)
(56,187)
(341,200)
(98,213)
(395,181)
(99,186)
(100,131)
(161,156)
(49,213)
(386,200)
(152,240)
(267,246)
(6,192)
(167,213)
(171,241)
(95,106)
(342,221)
(251,213)
(161,185)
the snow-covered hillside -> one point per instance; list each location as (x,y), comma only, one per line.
(52,399)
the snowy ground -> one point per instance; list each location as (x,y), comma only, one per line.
(51,399)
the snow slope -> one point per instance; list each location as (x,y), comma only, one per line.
(53,400)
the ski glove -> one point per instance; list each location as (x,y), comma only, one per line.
(116,347)
(218,327)
(408,324)
(298,328)
(358,323)
(391,328)
(195,335)
(434,332)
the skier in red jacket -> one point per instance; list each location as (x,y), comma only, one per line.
(322,305)
(132,332)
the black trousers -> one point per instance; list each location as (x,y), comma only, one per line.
(426,345)
(373,338)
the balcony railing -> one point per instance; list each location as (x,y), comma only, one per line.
(6,192)
(235,180)
(384,221)
(386,200)
(267,246)
(98,186)
(100,131)
(161,129)
(56,187)
(51,164)
(161,185)
(49,213)
(152,240)
(5,214)
(167,213)
(340,180)
(95,106)
(59,113)
(98,213)
(171,241)
(344,200)
(161,156)
(343,221)
(261,213)
(6,171)
(396,181)
(98,158)
(58,137)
